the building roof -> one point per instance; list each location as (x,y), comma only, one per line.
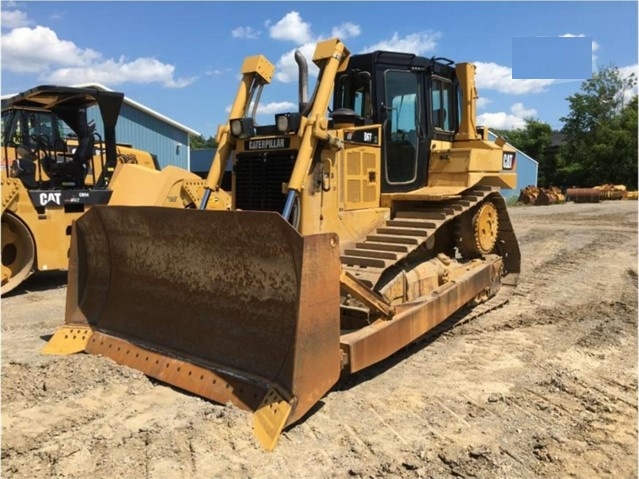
(145,109)
(136,105)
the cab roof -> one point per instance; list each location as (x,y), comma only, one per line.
(51,98)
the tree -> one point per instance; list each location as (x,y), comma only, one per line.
(199,143)
(601,132)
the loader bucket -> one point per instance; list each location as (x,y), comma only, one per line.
(230,305)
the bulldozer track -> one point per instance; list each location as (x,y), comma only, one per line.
(413,228)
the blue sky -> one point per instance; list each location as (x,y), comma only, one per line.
(182,59)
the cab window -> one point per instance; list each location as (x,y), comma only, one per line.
(10,128)
(443,104)
(355,93)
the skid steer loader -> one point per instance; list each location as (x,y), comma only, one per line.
(55,166)
(349,237)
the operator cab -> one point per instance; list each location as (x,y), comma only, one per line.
(64,154)
(416,101)
(45,130)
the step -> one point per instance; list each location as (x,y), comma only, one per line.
(446,208)
(371,254)
(402,232)
(408,240)
(429,225)
(422,215)
(383,246)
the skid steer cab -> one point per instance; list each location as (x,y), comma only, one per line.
(354,229)
(56,164)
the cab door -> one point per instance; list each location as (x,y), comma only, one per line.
(405,148)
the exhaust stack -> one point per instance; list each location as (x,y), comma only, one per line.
(303,80)
(467,128)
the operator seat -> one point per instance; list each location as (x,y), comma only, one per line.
(83,154)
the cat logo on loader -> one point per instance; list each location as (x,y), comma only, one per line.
(46,198)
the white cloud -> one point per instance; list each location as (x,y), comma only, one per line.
(292,27)
(111,72)
(346,30)
(595,45)
(39,51)
(519,110)
(276,107)
(507,121)
(245,32)
(33,50)
(492,76)
(271,108)
(286,68)
(14,19)
(482,102)
(218,71)
(500,121)
(418,43)
(625,72)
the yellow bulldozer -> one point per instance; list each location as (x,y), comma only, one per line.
(55,166)
(351,233)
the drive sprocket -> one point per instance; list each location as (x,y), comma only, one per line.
(477,230)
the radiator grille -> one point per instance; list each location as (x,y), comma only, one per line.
(259,178)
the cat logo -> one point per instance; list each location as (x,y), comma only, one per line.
(46,198)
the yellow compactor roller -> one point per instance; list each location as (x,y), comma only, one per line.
(349,236)
(54,167)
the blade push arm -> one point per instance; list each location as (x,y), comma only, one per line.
(331,56)
(257,71)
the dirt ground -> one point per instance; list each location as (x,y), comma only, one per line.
(545,386)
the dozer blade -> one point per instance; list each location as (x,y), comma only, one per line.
(232,306)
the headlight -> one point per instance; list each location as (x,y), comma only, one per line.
(281,121)
(242,127)
(287,122)
(236,128)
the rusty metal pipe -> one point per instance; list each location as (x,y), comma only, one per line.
(582,195)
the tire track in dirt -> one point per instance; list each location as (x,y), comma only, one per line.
(542,387)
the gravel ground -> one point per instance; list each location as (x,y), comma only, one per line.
(545,386)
